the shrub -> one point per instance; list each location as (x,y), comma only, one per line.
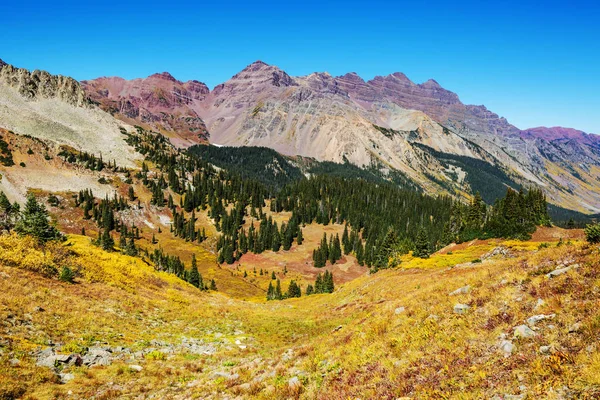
(156,355)
(592,233)
(66,274)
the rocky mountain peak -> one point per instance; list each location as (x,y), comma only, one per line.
(164,75)
(401,77)
(259,73)
(431,84)
(2,63)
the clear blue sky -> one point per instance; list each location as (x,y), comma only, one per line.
(536,63)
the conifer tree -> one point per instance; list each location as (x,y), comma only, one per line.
(422,244)
(34,221)
(131,193)
(9,213)
(271,292)
(309,290)
(195,278)
(294,290)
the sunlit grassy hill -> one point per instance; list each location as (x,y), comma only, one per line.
(392,334)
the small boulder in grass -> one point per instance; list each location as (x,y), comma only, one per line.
(523,331)
(461,308)
(462,290)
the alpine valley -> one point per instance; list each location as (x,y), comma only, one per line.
(277,237)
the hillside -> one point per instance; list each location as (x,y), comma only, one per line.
(342,246)
(183,343)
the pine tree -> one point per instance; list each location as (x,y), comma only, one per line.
(278,295)
(422,244)
(105,241)
(34,222)
(131,193)
(213,285)
(328,285)
(271,292)
(346,241)
(273,277)
(8,213)
(294,290)
(195,278)
(299,238)
(309,290)
(130,248)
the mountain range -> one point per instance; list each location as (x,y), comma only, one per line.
(388,123)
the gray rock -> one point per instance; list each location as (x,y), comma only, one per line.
(137,368)
(51,360)
(461,308)
(507,347)
(537,318)
(539,304)
(64,378)
(558,272)
(462,290)
(575,328)
(226,375)
(523,331)
(294,382)
(14,362)
(97,356)
(399,310)
(545,349)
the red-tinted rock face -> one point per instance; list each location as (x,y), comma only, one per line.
(560,133)
(159,100)
(442,105)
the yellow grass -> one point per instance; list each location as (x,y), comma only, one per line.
(350,344)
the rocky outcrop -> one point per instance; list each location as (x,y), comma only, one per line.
(159,101)
(43,85)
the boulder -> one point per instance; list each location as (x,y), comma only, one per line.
(576,327)
(523,331)
(537,318)
(64,378)
(462,290)
(461,308)
(507,347)
(558,272)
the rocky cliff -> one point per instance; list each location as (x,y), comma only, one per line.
(159,101)
(42,85)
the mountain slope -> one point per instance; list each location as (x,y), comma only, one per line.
(158,101)
(368,123)
(389,335)
(56,108)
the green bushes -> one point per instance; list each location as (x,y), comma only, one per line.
(592,233)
